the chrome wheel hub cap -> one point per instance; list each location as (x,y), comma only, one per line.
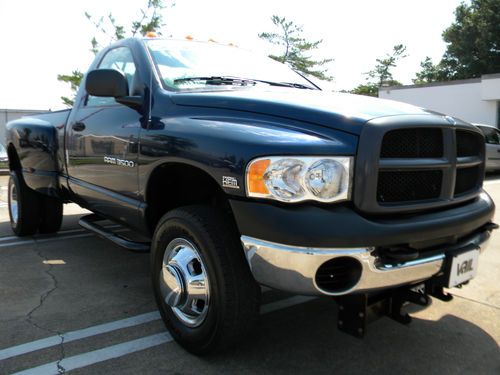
(184,282)
(13,207)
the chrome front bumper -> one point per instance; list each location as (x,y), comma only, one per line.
(293,269)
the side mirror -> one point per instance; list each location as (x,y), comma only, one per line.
(111,83)
(106,82)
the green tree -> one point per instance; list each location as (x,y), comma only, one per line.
(107,30)
(74,80)
(429,72)
(381,74)
(296,50)
(368,89)
(473,41)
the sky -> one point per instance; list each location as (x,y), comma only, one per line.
(41,39)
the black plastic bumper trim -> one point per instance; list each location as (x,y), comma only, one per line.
(340,226)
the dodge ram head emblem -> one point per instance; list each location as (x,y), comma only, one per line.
(450,119)
(230,182)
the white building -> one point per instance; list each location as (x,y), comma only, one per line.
(473,100)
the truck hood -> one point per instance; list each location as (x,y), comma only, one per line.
(344,112)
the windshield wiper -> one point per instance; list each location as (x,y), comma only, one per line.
(238,81)
(217,80)
(292,84)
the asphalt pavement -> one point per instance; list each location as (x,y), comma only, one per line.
(74,302)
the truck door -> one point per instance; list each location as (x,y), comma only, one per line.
(102,146)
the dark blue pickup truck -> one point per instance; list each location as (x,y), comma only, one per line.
(239,172)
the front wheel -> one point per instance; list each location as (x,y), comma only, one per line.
(203,286)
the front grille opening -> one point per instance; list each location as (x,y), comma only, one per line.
(469,143)
(407,186)
(467,180)
(413,143)
(338,274)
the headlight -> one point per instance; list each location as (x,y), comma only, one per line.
(295,179)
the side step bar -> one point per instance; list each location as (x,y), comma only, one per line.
(89,222)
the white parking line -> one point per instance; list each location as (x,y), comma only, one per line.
(32,241)
(100,355)
(118,350)
(60,233)
(48,342)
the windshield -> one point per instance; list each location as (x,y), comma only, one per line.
(195,65)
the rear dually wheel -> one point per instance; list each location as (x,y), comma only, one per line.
(23,206)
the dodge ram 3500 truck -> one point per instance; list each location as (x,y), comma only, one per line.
(239,172)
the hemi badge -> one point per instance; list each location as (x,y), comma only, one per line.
(230,182)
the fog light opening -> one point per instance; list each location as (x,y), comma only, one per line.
(338,275)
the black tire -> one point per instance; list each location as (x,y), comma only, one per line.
(234,294)
(23,206)
(51,214)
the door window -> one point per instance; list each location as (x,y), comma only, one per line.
(120,59)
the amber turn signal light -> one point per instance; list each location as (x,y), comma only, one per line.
(255,177)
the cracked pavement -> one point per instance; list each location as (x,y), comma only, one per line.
(43,297)
(50,286)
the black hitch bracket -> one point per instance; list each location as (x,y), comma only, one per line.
(356,311)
